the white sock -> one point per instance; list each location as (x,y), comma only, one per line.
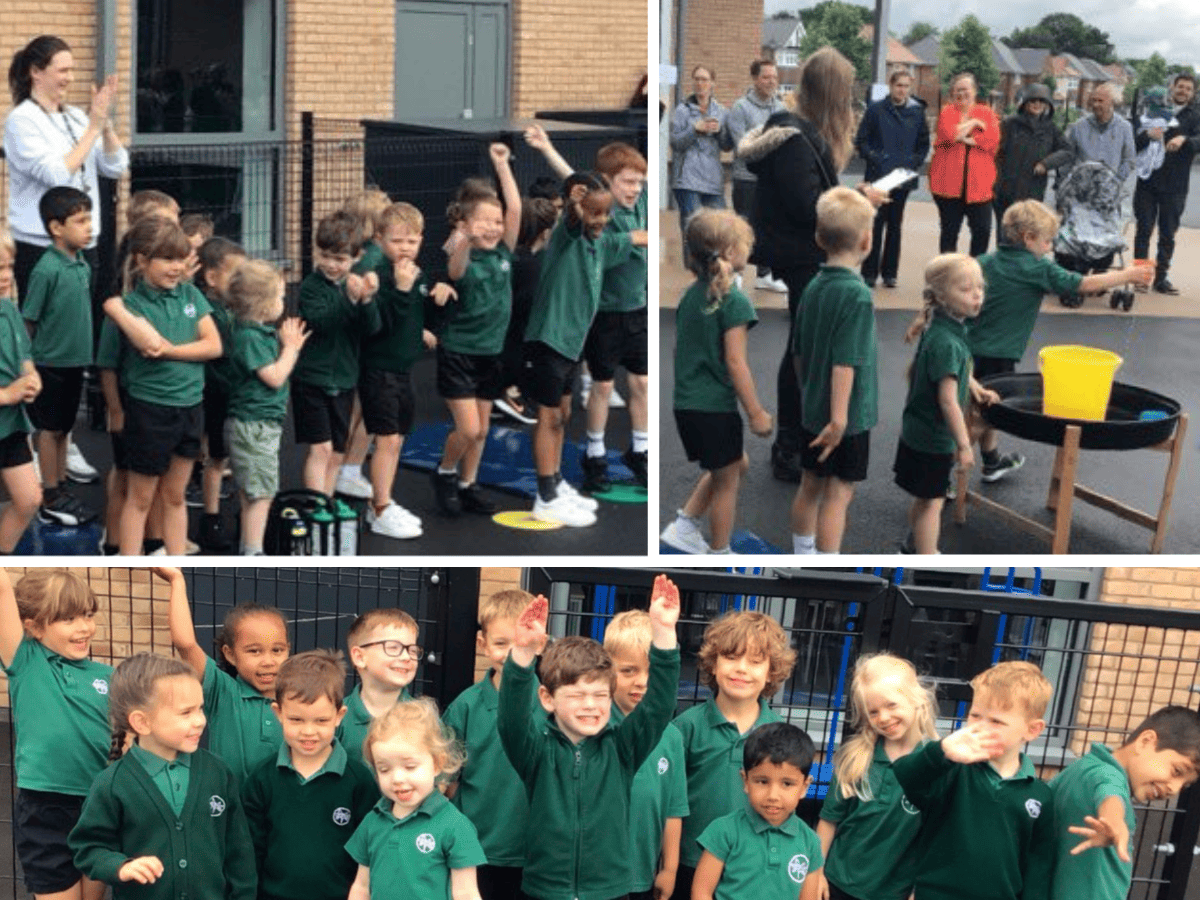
(828,552)
(595,444)
(687,522)
(463,485)
(350,470)
(804,544)
(641,441)
(250,550)
(724,551)
(450,471)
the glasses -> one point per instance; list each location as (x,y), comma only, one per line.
(396,648)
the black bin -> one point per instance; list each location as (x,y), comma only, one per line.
(636,120)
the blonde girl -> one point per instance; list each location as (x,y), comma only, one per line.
(712,376)
(409,751)
(933,434)
(165,819)
(867,827)
(251,646)
(59,700)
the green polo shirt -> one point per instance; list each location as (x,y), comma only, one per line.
(1079,789)
(15,351)
(111,346)
(252,346)
(176,315)
(1016,281)
(872,854)
(942,353)
(568,290)
(659,793)
(490,793)
(398,343)
(992,833)
(329,359)
(835,326)
(60,707)
(762,861)
(372,255)
(300,826)
(242,729)
(217,371)
(418,851)
(169,776)
(624,287)
(58,298)
(357,722)
(702,380)
(479,318)
(713,750)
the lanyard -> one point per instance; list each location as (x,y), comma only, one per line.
(65,128)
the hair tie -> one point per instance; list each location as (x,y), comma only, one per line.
(712,257)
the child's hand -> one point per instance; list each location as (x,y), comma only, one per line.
(428,338)
(971,744)
(578,192)
(293,332)
(762,423)
(192,266)
(31,386)
(500,153)
(664,885)
(360,288)
(531,624)
(443,293)
(115,419)
(664,602)
(143,870)
(167,573)
(405,271)
(829,438)
(1100,832)
(965,457)
(536,137)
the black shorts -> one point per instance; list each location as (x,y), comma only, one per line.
(320,416)
(616,339)
(847,462)
(548,376)
(41,822)
(120,460)
(464,375)
(836,893)
(499,882)
(924,475)
(992,365)
(712,439)
(216,411)
(55,407)
(154,434)
(387,401)
(14,450)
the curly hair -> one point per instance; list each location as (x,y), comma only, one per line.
(573,659)
(418,720)
(227,636)
(740,632)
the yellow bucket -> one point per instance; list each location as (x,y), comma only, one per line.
(1077,381)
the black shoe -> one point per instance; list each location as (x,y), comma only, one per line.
(212,536)
(445,492)
(889,282)
(194,495)
(1009,462)
(595,474)
(63,509)
(637,464)
(785,464)
(471,500)
(1163,286)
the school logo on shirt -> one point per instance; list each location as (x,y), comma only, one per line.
(907,806)
(101,686)
(190,310)
(798,868)
(216,806)
(425,842)
(1034,808)
(504,266)
(341,816)
(423,290)
(663,765)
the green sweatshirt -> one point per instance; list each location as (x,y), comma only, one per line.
(329,359)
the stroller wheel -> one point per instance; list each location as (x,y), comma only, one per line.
(1122,299)
(1071,301)
(1114,301)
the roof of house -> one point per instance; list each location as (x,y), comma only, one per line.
(1005,60)
(1032,59)
(777,33)
(896,51)
(927,49)
(1100,73)
(1060,65)
(1119,71)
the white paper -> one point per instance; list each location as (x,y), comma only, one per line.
(894,179)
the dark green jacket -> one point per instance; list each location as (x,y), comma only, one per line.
(329,359)
(206,853)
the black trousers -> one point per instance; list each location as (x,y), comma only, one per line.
(887,218)
(952,211)
(788,412)
(1150,207)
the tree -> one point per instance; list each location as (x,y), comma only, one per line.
(1065,33)
(918,31)
(1152,72)
(784,14)
(814,15)
(839,27)
(967,47)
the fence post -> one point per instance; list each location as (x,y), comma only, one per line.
(306,193)
(461,599)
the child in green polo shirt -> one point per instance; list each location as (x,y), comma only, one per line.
(744,659)
(384,652)
(19,384)
(868,830)
(165,820)
(1018,275)
(303,805)
(488,790)
(251,645)
(989,820)
(414,844)
(658,803)
(59,702)
(57,308)
(933,433)
(764,852)
(261,360)
(578,767)
(1096,794)
(835,355)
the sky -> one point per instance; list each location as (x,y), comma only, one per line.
(1137,27)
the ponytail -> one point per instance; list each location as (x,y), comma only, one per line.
(117,748)
(34,55)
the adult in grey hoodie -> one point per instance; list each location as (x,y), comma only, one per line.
(697,139)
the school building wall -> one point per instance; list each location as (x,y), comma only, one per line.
(725,35)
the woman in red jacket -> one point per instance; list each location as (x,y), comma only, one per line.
(963,169)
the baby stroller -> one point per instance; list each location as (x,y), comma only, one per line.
(1089,203)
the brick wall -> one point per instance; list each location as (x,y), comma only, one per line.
(725,35)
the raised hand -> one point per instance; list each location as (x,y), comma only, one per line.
(1102,833)
(293,332)
(536,137)
(167,573)
(664,612)
(971,744)
(500,153)
(531,624)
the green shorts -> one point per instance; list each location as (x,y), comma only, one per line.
(254,456)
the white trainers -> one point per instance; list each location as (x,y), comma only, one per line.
(615,400)
(564,510)
(566,489)
(394,522)
(352,484)
(766,283)
(78,468)
(682,536)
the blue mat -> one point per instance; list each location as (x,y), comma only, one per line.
(741,542)
(507,458)
(41,539)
